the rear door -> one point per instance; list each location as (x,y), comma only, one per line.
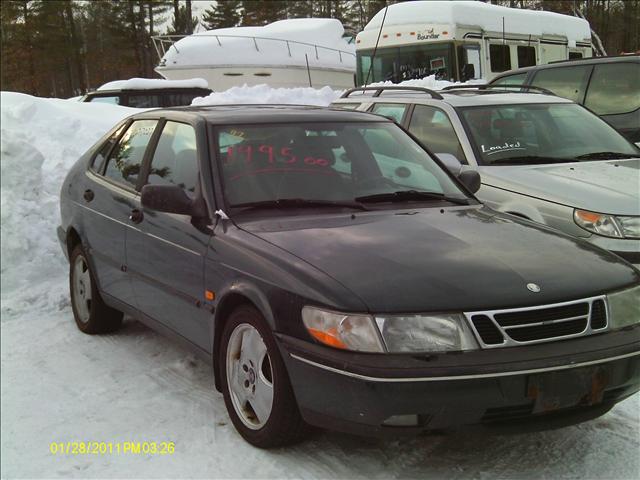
(165,251)
(108,197)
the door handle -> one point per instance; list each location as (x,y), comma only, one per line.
(136,216)
(88,195)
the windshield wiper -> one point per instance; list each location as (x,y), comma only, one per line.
(606,156)
(529,160)
(410,195)
(299,203)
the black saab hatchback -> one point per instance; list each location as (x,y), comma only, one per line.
(335,274)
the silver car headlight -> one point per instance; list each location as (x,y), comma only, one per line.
(426,333)
(624,307)
(607,225)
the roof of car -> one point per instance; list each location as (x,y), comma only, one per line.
(459,98)
(260,114)
(571,62)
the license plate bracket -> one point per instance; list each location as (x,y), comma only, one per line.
(557,390)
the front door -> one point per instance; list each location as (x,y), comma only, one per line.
(165,251)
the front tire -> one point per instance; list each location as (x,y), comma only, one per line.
(91,314)
(255,383)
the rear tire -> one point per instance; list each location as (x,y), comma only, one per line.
(91,314)
(253,374)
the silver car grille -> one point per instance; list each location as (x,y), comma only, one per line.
(543,323)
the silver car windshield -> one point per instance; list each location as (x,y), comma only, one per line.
(542,133)
(336,162)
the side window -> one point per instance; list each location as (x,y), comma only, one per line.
(125,160)
(511,80)
(433,128)
(145,101)
(391,110)
(500,57)
(526,56)
(346,106)
(175,160)
(567,82)
(97,165)
(113,100)
(614,88)
(574,55)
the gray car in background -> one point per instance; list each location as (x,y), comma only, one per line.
(540,157)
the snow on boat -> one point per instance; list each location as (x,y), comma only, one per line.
(289,53)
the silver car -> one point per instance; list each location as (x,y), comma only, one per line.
(540,157)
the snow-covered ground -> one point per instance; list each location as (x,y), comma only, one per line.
(58,385)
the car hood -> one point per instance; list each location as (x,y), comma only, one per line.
(611,186)
(460,258)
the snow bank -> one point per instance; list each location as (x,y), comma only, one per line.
(486,16)
(280,43)
(261,94)
(39,141)
(151,83)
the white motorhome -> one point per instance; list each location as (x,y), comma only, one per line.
(289,53)
(464,40)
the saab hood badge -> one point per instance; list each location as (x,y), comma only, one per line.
(533,287)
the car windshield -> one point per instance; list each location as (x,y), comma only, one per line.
(340,164)
(542,133)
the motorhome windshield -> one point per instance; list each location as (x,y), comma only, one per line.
(406,62)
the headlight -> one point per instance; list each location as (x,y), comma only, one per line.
(426,333)
(608,225)
(342,330)
(624,307)
(391,333)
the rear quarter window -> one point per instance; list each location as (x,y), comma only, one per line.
(567,82)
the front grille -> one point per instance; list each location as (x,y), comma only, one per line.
(598,315)
(511,327)
(487,330)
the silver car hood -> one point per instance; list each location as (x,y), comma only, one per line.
(611,186)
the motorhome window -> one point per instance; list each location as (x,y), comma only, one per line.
(394,111)
(433,128)
(567,82)
(500,58)
(526,56)
(511,80)
(406,63)
(111,99)
(614,88)
(145,101)
(574,55)
(469,62)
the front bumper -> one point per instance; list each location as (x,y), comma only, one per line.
(522,388)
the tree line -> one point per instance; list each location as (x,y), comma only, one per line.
(63,48)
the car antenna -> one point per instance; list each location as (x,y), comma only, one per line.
(375,49)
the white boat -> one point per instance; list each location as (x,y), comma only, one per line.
(288,53)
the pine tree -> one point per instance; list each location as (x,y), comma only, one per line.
(223,14)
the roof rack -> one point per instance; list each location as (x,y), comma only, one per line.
(505,86)
(379,90)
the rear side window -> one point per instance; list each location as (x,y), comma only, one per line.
(175,160)
(526,56)
(511,80)
(125,160)
(433,128)
(500,58)
(567,82)
(614,88)
(100,158)
(180,99)
(346,106)
(390,110)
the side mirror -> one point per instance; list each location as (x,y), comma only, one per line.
(470,179)
(467,72)
(170,199)
(451,162)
